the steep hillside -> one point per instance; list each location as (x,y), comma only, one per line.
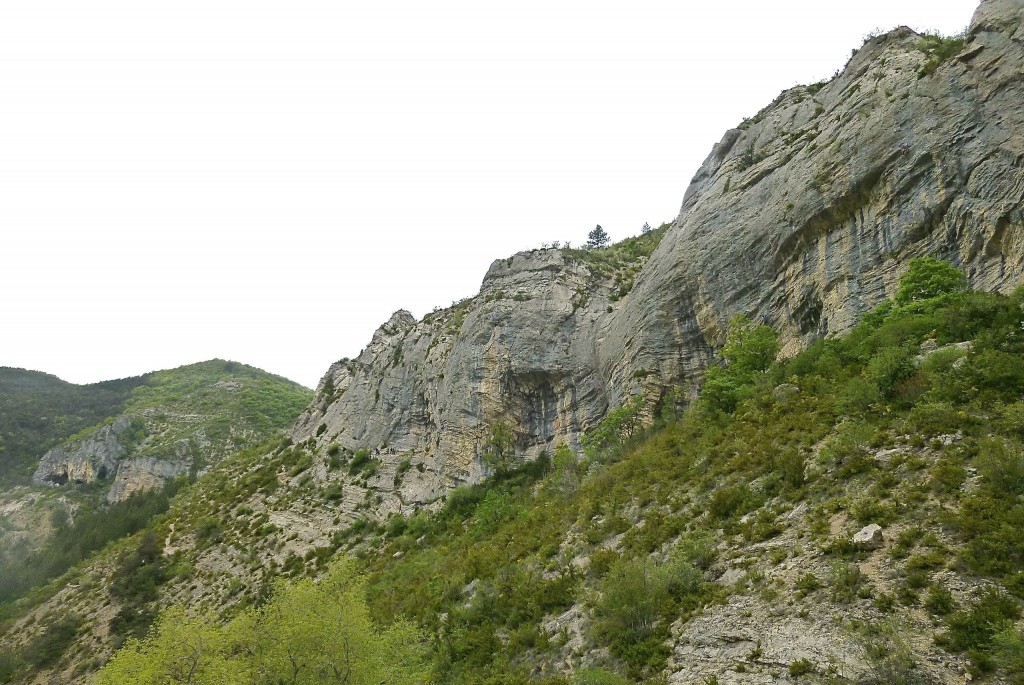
(715,453)
(148,434)
(804,217)
(850,515)
(177,422)
(38,410)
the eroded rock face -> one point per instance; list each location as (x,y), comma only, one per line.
(803,218)
(806,216)
(145,473)
(96,457)
(524,352)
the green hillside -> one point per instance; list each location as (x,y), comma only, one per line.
(38,410)
(587,569)
(192,415)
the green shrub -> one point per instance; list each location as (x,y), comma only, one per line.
(727,501)
(938,49)
(49,645)
(929,277)
(940,601)
(361,461)
(597,676)
(800,667)
(975,627)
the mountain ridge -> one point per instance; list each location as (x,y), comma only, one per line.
(463,444)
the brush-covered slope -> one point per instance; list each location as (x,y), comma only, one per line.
(804,217)
(487,467)
(38,410)
(175,423)
(718,545)
(133,445)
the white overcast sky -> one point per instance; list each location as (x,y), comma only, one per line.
(267,180)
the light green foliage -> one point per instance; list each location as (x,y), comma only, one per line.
(938,48)
(616,429)
(749,348)
(638,599)
(500,450)
(309,633)
(928,277)
(748,351)
(181,649)
(597,676)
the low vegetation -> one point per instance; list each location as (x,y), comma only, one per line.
(911,421)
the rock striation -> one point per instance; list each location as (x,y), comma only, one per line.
(803,217)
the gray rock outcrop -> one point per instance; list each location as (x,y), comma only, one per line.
(145,473)
(803,218)
(869,537)
(95,457)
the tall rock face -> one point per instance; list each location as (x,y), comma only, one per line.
(95,457)
(804,218)
(524,352)
(806,215)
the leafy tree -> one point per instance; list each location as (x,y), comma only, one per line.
(309,633)
(646,228)
(929,277)
(749,350)
(597,237)
(500,450)
(616,428)
(180,649)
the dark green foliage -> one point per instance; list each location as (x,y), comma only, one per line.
(135,585)
(49,645)
(800,667)
(973,629)
(500,449)
(731,500)
(38,410)
(597,237)
(91,531)
(10,665)
(940,601)
(362,462)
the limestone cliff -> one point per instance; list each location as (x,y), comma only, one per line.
(803,217)
(526,351)
(806,215)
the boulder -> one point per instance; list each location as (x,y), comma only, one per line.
(869,537)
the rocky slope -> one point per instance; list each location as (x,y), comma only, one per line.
(803,217)
(38,411)
(178,422)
